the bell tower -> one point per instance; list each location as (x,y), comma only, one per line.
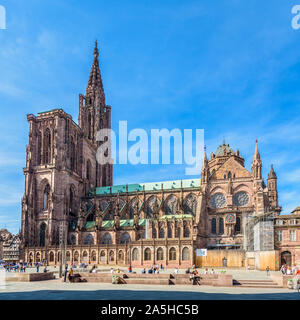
(95,115)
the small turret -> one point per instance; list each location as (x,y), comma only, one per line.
(256,166)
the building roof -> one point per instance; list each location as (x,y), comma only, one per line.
(223,150)
(148,186)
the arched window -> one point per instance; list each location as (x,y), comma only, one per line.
(89,240)
(88,169)
(42,234)
(237,227)
(135,254)
(38,257)
(147,254)
(160,254)
(46,197)
(170,232)
(51,256)
(107,239)
(73,239)
(68,256)
(47,146)
(76,256)
(121,256)
(186,232)
(221,226)
(94,257)
(154,233)
(102,256)
(190,204)
(213,226)
(171,205)
(229,175)
(161,233)
(185,254)
(111,256)
(178,232)
(172,254)
(125,238)
(85,256)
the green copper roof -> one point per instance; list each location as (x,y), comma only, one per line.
(223,148)
(111,223)
(148,186)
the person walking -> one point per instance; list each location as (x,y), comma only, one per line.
(268,270)
(37,268)
(65,273)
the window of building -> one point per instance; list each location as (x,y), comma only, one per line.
(161,233)
(160,254)
(279,235)
(213,226)
(154,233)
(237,226)
(172,254)
(185,254)
(47,146)
(170,232)
(147,254)
(107,239)
(186,232)
(125,238)
(292,235)
(221,226)
(46,197)
(135,254)
(89,240)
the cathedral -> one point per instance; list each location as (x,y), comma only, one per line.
(71,210)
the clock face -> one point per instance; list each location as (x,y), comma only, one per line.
(241,199)
(218,200)
(230,218)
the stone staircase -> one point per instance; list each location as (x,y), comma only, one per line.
(262,283)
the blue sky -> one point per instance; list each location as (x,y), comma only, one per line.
(231,68)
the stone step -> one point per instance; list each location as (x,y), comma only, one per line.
(146,276)
(147,281)
(256,283)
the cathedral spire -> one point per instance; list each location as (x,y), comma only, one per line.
(94,88)
(256,163)
(256,152)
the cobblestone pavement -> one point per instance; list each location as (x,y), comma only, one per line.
(57,290)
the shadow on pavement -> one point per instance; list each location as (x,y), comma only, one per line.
(142,295)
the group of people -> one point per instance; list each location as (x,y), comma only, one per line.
(153,270)
(288,270)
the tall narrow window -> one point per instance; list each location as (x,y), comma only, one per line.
(90,125)
(221,226)
(46,197)
(213,226)
(292,235)
(72,155)
(186,232)
(39,151)
(47,146)
(279,236)
(42,234)
(88,169)
(237,226)
(170,232)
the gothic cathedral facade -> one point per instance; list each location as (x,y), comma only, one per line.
(70,198)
